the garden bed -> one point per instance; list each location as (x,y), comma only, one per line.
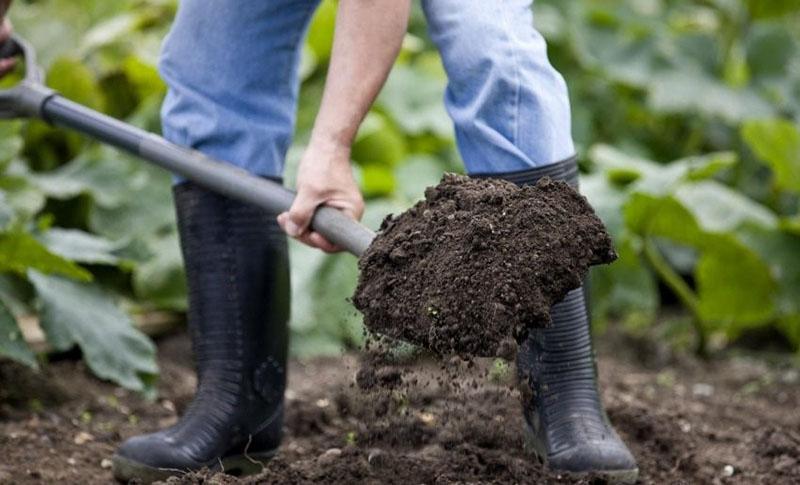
(727,421)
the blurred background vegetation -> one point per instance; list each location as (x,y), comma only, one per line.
(686,115)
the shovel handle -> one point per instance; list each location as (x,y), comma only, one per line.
(30,98)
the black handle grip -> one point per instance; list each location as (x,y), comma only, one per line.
(10,48)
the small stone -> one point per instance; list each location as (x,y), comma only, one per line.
(322,403)
(82,438)
(376,458)
(106,464)
(427,418)
(702,389)
(329,456)
(727,471)
(71,461)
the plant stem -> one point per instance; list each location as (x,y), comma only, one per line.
(681,289)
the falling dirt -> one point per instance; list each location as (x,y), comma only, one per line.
(477,263)
(728,421)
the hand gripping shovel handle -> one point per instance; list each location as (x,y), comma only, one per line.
(30,98)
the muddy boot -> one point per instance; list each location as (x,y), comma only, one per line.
(238,274)
(566,424)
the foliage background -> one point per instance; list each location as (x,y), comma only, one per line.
(685,113)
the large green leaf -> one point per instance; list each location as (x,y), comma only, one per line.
(717,208)
(82,314)
(414,101)
(777,142)
(147,207)
(161,280)
(80,246)
(12,343)
(104,173)
(20,251)
(735,286)
(20,191)
(657,178)
(688,91)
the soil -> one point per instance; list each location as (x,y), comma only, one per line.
(477,263)
(732,420)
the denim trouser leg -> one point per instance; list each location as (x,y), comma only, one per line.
(232,75)
(509,105)
(232,72)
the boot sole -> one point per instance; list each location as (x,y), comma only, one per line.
(126,469)
(621,477)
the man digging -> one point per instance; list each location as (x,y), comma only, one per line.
(232,72)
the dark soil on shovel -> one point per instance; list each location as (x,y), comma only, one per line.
(477,263)
(730,421)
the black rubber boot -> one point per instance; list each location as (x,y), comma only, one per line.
(238,275)
(566,424)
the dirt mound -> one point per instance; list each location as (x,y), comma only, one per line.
(479,261)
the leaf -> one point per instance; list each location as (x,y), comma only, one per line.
(147,207)
(687,91)
(781,251)
(12,343)
(776,142)
(161,280)
(762,9)
(75,81)
(770,49)
(20,192)
(378,142)
(414,101)
(10,141)
(82,314)
(656,178)
(104,173)
(80,246)
(607,200)
(19,252)
(109,31)
(648,215)
(320,32)
(734,285)
(625,289)
(377,180)
(717,208)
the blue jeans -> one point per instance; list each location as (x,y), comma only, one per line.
(232,72)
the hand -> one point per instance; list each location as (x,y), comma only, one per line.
(7,64)
(324,177)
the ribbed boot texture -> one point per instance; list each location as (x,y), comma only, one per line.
(567,425)
(238,277)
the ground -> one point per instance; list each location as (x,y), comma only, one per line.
(731,420)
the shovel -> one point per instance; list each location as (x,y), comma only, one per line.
(30,98)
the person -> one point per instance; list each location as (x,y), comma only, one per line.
(232,73)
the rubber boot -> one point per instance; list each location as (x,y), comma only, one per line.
(566,424)
(238,277)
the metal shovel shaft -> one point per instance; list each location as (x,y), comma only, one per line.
(213,174)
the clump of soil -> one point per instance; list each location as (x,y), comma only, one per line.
(477,263)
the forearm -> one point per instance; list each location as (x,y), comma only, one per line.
(368,37)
